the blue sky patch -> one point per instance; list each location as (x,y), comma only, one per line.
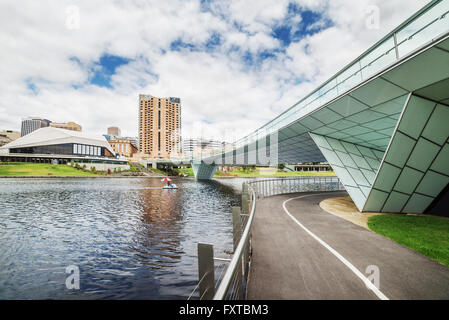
(32,86)
(179,45)
(288,30)
(102,70)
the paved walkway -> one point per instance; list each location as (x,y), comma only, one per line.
(322,256)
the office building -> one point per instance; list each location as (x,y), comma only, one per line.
(123,146)
(31,124)
(159,126)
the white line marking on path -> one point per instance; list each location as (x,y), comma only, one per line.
(368,283)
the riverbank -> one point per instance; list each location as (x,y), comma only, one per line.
(41,170)
(259,173)
(46,170)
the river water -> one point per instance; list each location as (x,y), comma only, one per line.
(129,238)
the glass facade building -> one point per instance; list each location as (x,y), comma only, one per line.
(65,149)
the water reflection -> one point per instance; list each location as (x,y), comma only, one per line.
(130,238)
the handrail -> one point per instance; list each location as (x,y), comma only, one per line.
(241,257)
(235,261)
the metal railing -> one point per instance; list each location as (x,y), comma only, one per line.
(272,187)
(231,283)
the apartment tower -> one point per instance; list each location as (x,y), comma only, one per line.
(159,126)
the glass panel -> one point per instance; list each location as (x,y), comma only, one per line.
(408,180)
(395,202)
(375,200)
(378,58)
(432,184)
(424,28)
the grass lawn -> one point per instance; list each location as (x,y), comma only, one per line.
(425,234)
(41,169)
(161,172)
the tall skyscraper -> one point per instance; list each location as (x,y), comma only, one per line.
(33,123)
(159,126)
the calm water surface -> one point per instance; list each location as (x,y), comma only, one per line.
(129,238)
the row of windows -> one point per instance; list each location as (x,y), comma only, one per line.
(121,148)
(87,150)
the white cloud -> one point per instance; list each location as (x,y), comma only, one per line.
(218,89)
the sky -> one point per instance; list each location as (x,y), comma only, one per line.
(234,64)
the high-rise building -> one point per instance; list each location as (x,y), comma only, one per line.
(66,125)
(114,132)
(159,126)
(31,124)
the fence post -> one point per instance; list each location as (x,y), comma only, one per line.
(244,203)
(236,226)
(206,270)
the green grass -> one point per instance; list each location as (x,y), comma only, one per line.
(189,171)
(426,234)
(41,169)
(161,172)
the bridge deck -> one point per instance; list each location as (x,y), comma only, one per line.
(289,263)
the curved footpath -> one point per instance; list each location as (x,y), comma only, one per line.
(302,252)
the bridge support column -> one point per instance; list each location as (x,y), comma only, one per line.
(410,174)
(203,171)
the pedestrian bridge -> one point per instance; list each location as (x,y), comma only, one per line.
(382,122)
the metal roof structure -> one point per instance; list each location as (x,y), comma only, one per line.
(55,136)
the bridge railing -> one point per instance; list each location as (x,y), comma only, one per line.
(231,283)
(272,187)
